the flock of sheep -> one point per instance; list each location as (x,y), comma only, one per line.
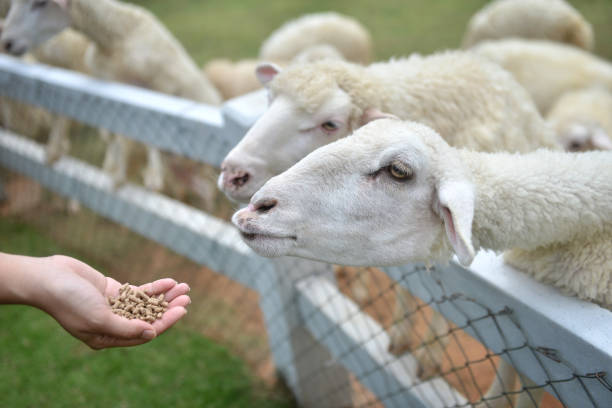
(413,159)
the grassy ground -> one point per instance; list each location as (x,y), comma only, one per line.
(43,366)
(235,29)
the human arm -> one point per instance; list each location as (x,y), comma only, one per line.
(75,295)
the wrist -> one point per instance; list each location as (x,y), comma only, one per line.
(22,279)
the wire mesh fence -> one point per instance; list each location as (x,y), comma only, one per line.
(430,336)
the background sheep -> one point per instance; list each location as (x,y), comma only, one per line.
(583,119)
(344,33)
(130,45)
(233,79)
(66,50)
(554,20)
(547,69)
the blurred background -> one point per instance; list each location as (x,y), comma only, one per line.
(217,356)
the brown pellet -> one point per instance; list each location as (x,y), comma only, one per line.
(133,303)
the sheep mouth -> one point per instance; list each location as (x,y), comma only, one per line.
(252,236)
(268,244)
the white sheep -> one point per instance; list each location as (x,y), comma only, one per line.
(395,192)
(547,69)
(554,20)
(583,119)
(470,101)
(66,50)
(319,52)
(233,79)
(129,45)
(344,33)
(315,104)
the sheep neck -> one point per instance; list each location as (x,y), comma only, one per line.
(105,22)
(539,199)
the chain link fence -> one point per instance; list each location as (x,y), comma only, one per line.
(410,336)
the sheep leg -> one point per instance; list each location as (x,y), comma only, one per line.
(115,160)
(154,172)
(59,142)
(105,135)
(206,190)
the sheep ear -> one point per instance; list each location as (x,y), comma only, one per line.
(372,114)
(266,72)
(456,208)
(601,140)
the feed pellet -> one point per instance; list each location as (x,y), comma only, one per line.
(133,303)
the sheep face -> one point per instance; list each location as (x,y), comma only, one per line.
(280,138)
(380,197)
(32,22)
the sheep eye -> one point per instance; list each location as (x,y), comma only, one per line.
(399,171)
(329,126)
(39,4)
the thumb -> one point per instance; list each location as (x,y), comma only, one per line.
(124,328)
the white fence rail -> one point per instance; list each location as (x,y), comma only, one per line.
(317,335)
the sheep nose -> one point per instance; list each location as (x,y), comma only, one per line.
(234,176)
(264,205)
(238,178)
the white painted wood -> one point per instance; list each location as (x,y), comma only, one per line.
(197,131)
(316,378)
(580,333)
(361,344)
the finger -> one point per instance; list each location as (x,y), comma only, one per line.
(178,290)
(122,328)
(158,286)
(182,300)
(102,342)
(168,319)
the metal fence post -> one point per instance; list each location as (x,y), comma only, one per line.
(306,365)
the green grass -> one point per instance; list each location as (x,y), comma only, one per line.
(236,29)
(43,366)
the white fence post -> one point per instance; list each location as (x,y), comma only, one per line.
(315,377)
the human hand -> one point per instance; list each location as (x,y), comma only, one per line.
(76,295)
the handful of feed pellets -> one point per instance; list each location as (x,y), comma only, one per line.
(133,303)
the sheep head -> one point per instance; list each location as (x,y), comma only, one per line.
(307,110)
(32,22)
(387,195)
